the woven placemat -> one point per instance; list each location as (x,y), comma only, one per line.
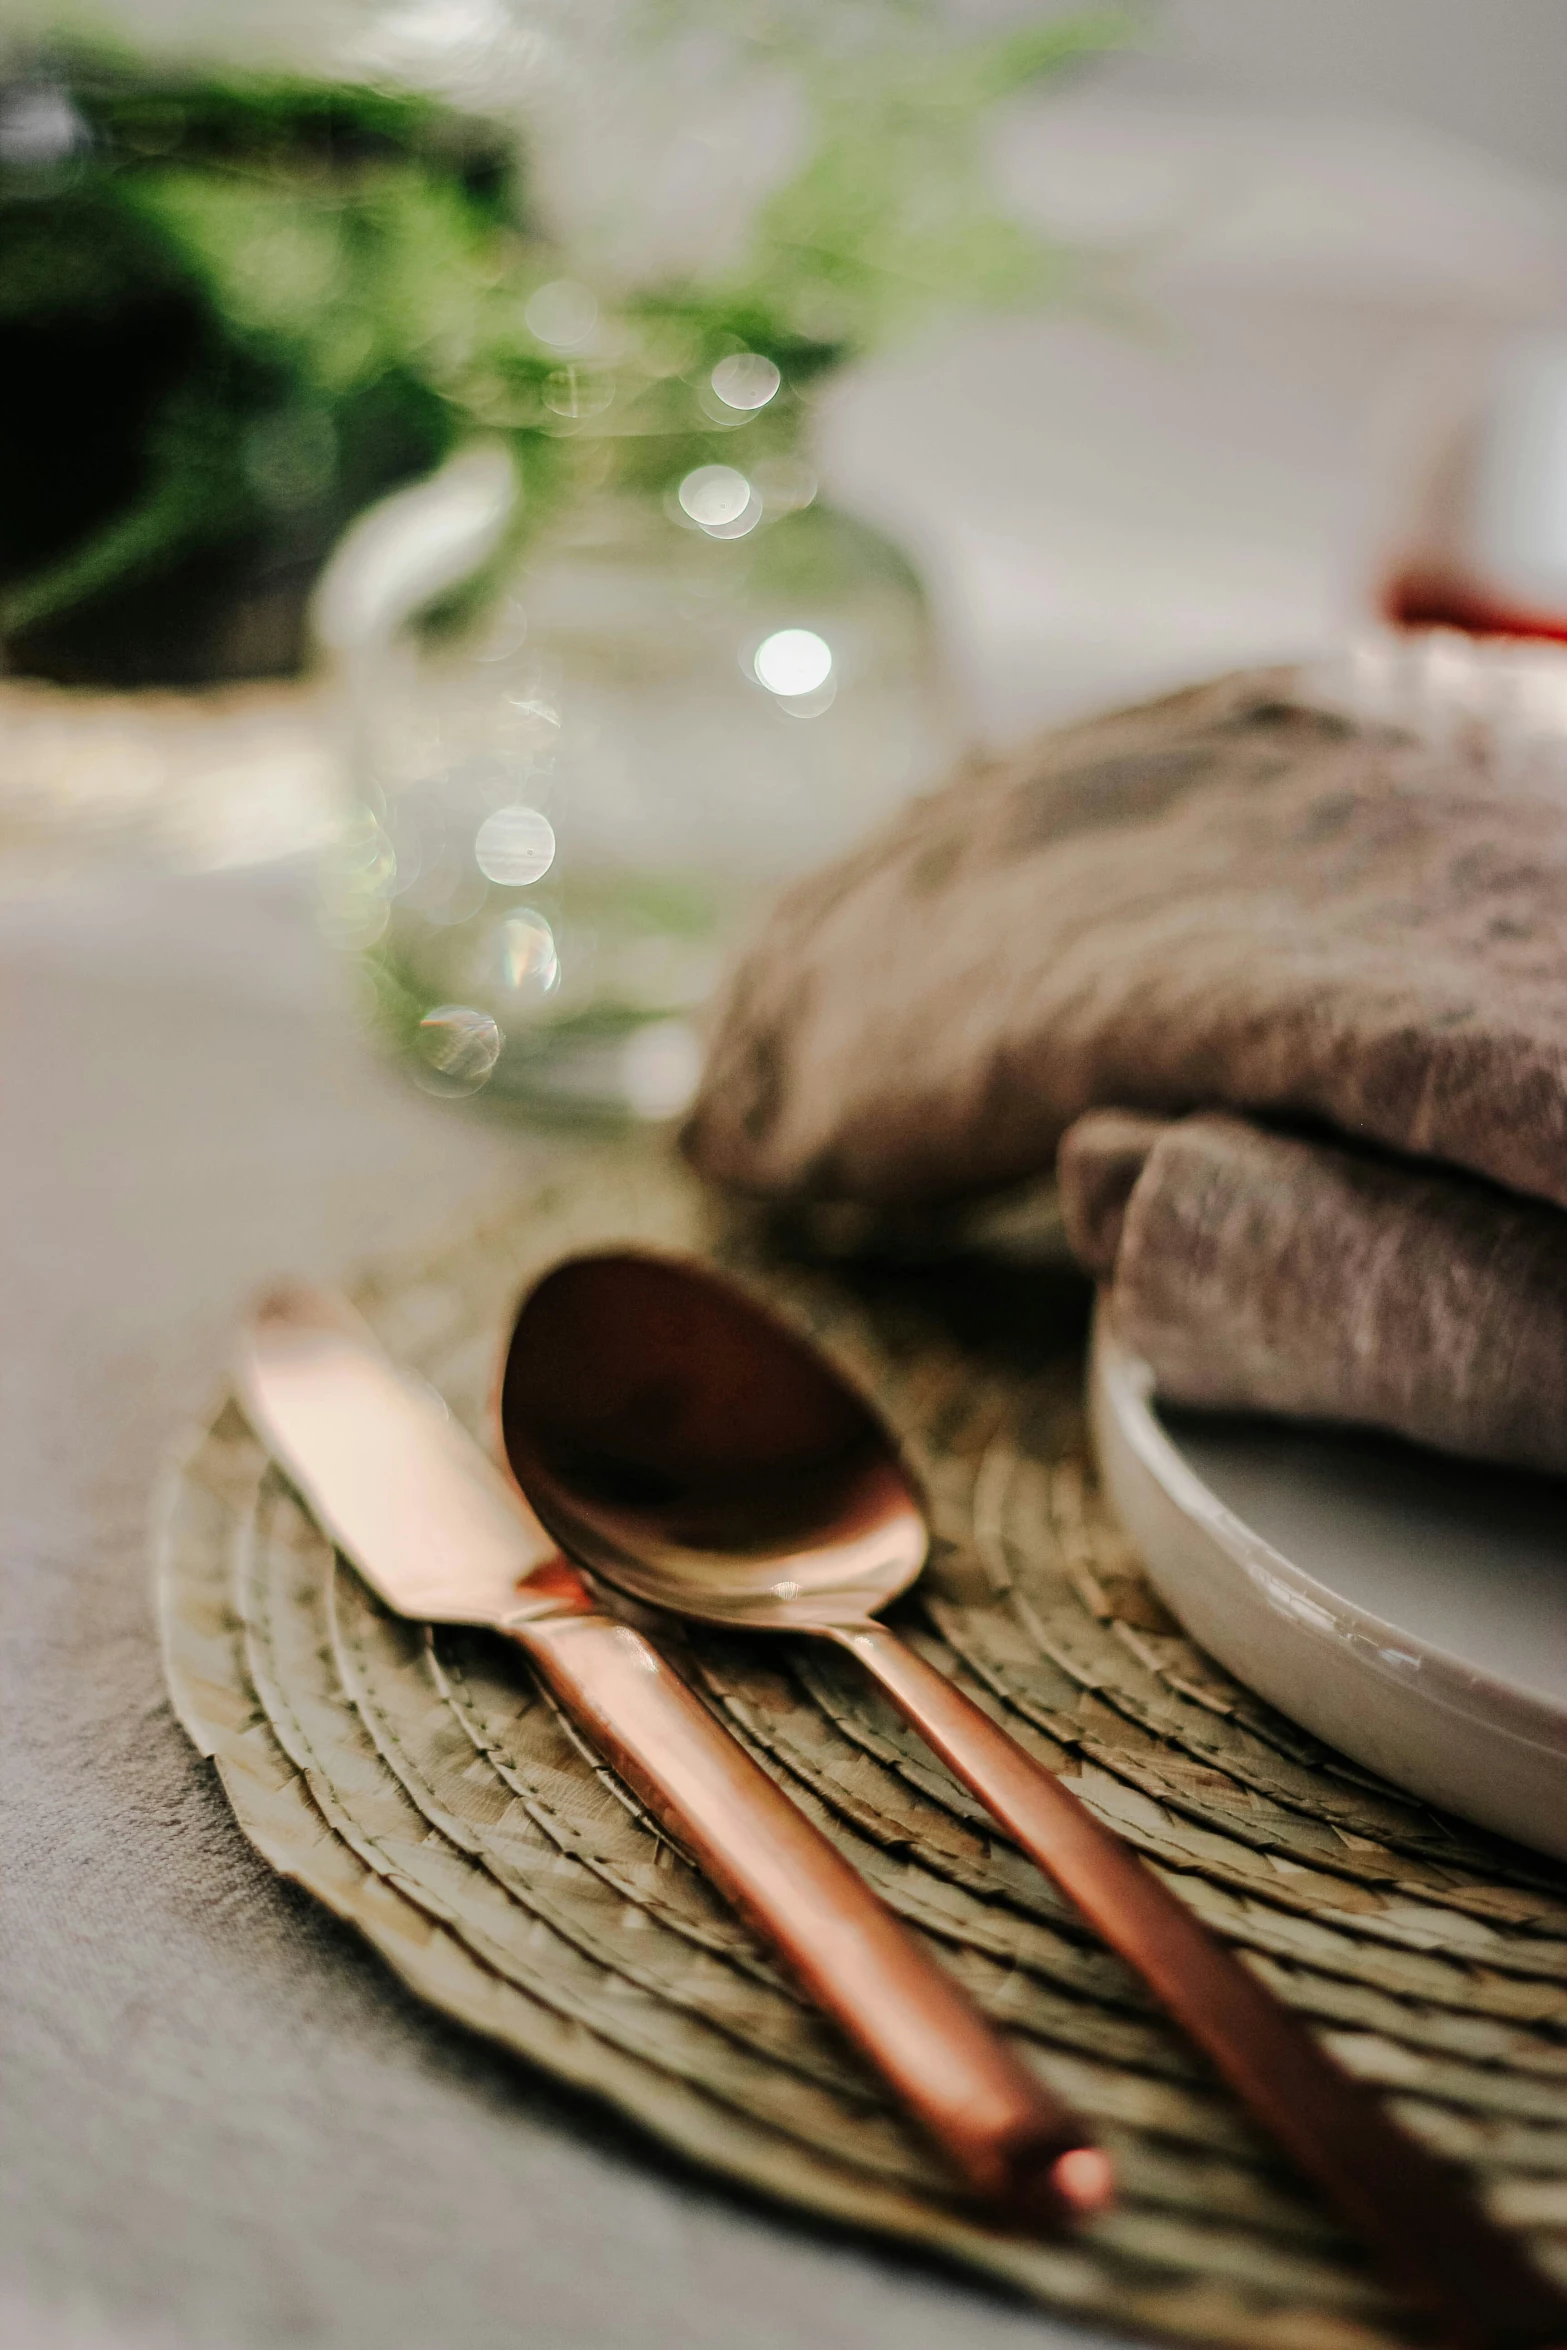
(423,1787)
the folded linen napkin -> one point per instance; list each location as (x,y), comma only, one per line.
(1263,1272)
(1233,899)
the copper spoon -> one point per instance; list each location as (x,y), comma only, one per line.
(684,1445)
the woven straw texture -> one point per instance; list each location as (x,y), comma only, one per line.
(421,1786)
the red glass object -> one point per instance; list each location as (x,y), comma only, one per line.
(1424,596)
(1487,548)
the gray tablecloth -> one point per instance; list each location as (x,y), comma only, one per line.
(222,2121)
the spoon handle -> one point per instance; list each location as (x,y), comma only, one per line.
(1011,2140)
(1441,2247)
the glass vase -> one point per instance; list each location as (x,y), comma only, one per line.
(567,807)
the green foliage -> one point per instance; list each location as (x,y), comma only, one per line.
(305,293)
(233,263)
(892,213)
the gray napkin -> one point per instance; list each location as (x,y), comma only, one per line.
(1235,899)
(1266,1273)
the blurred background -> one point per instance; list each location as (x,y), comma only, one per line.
(562,469)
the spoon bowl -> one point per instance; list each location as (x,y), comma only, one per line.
(680,1440)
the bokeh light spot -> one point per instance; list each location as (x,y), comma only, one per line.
(528,957)
(745,380)
(514,846)
(459,1048)
(793,661)
(715,496)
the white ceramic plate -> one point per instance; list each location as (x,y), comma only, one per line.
(1409,1609)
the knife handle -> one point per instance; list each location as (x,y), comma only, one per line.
(1010,2139)
(1442,2247)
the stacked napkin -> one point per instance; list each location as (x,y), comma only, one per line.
(1282,994)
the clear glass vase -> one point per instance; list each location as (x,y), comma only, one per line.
(568,807)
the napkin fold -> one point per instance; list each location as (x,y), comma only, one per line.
(1259,1271)
(1293,986)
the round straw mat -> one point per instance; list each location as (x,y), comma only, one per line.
(424,1788)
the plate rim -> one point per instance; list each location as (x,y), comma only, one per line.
(1427,1676)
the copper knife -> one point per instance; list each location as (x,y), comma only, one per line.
(442,1535)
